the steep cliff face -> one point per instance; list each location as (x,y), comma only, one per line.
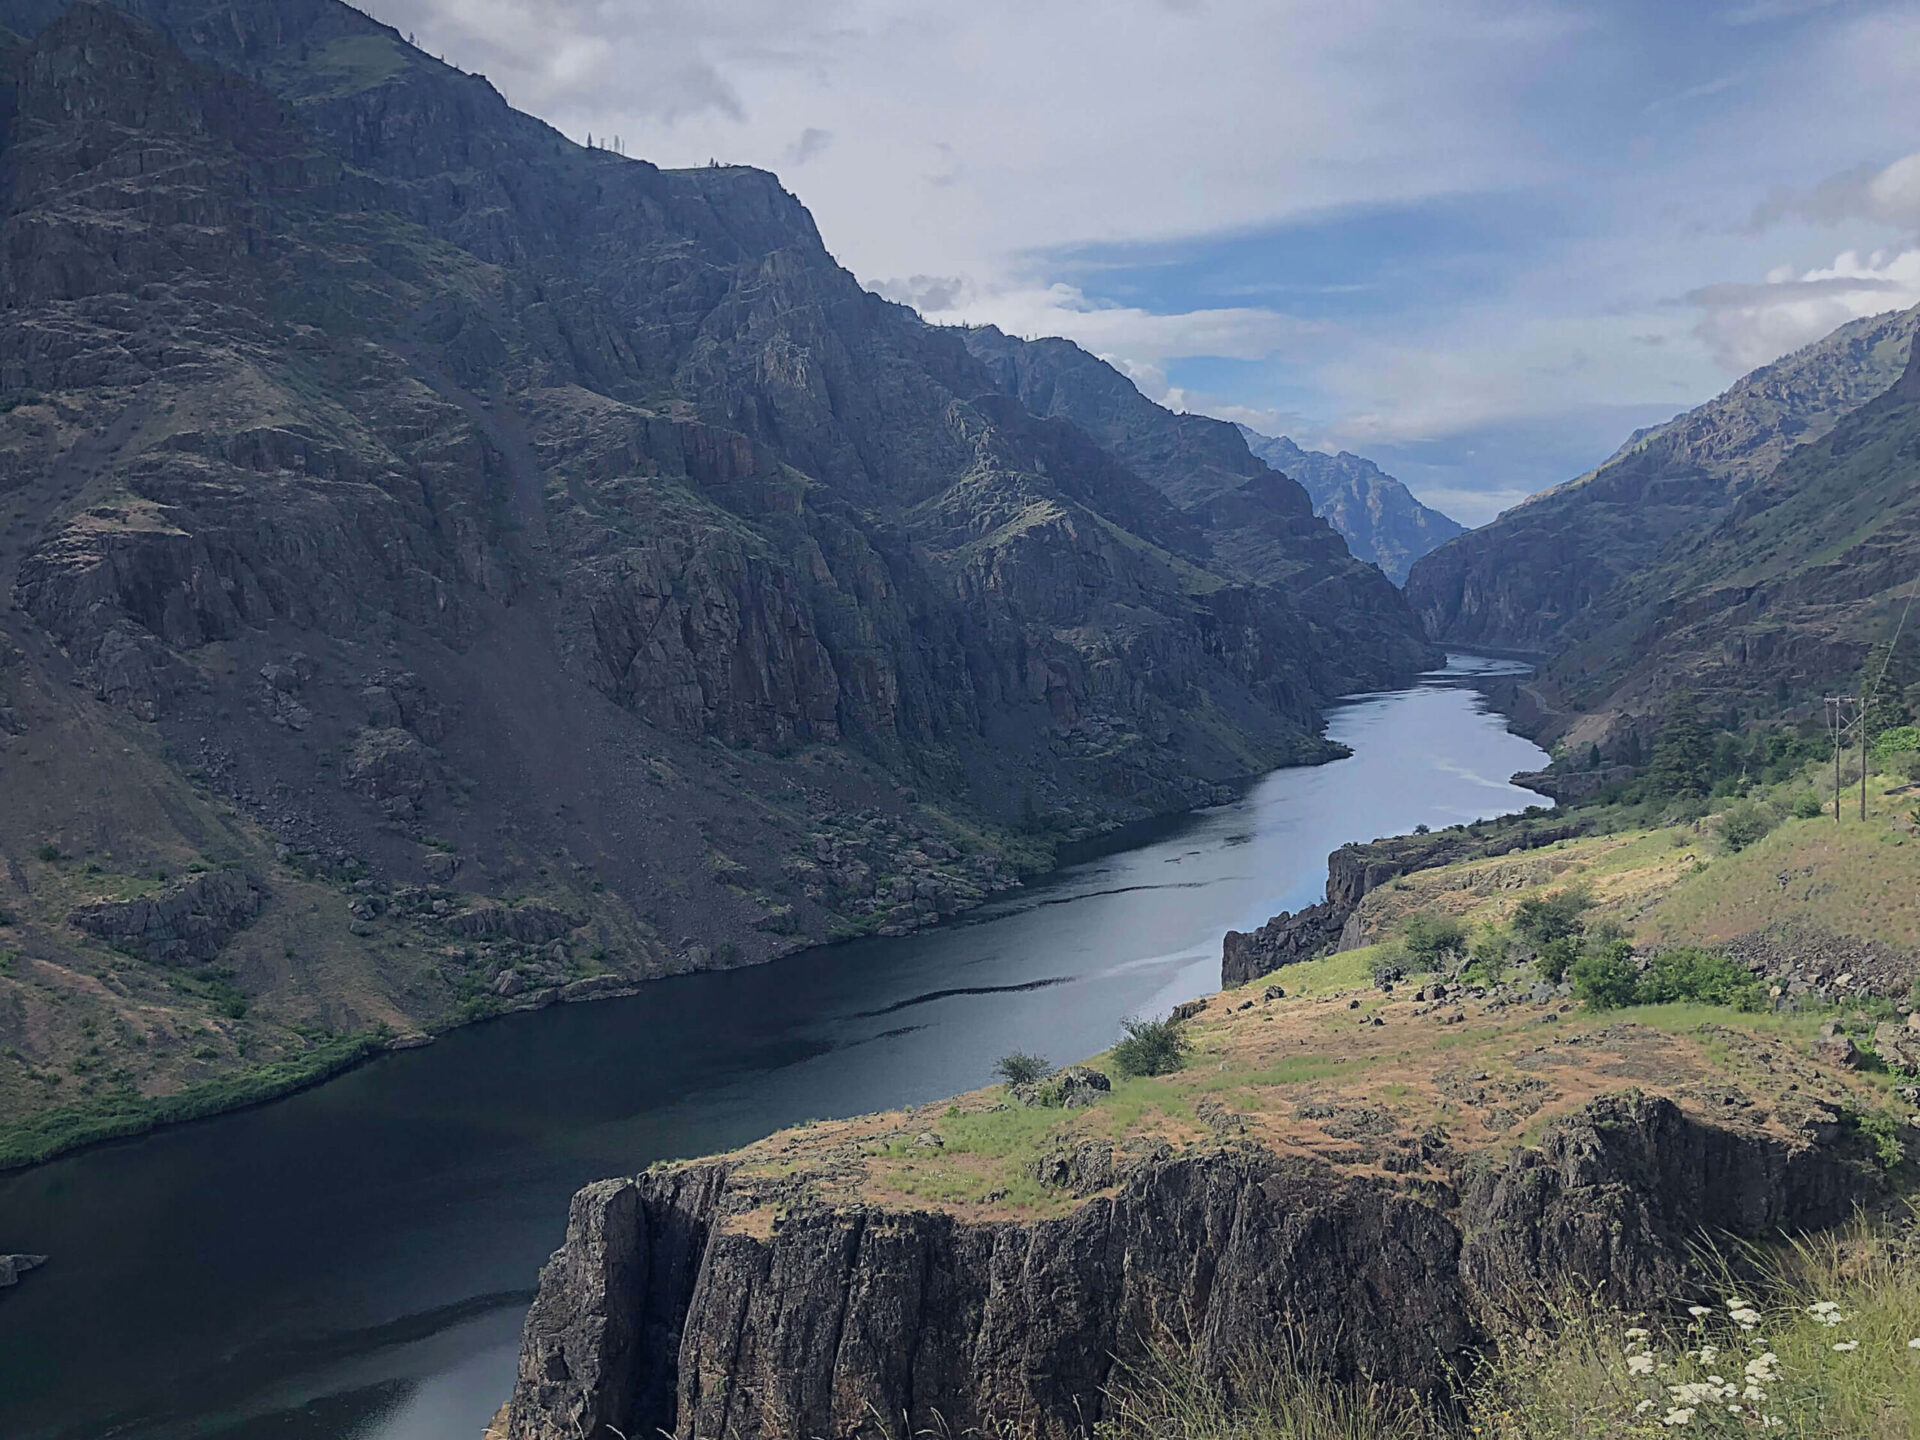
(1378,516)
(1556,563)
(476,514)
(675,1307)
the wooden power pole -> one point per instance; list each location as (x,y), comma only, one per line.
(1837,719)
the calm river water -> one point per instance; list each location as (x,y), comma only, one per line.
(354,1261)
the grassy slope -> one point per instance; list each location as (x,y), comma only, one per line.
(1311,1073)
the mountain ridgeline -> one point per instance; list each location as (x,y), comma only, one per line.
(1747,548)
(1220,473)
(529,571)
(1382,521)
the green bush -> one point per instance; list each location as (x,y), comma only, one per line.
(1431,939)
(1687,972)
(1487,962)
(1606,978)
(1808,806)
(1150,1047)
(1020,1068)
(1556,957)
(1540,920)
(1742,824)
(49,853)
(1901,740)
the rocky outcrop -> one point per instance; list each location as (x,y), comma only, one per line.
(529,924)
(1354,872)
(181,923)
(663,1314)
(1376,515)
(12,1267)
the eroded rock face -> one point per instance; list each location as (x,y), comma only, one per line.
(660,1313)
(1353,873)
(184,922)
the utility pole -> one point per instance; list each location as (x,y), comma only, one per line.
(1837,728)
(1861,721)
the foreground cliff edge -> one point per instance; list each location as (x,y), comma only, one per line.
(1384,1172)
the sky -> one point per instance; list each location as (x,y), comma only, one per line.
(1477,242)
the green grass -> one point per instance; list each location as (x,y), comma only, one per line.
(115,1117)
(1568,1372)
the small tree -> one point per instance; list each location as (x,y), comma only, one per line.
(1540,920)
(1433,939)
(1150,1047)
(1683,752)
(1020,1068)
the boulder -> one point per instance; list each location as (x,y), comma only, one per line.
(182,923)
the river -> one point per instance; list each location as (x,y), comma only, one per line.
(354,1261)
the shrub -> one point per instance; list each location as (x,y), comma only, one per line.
(1388,971)
(1430,939)
(1487,964)
(1742,824)
(1902,739)
(1150,1047)
(1606,978)
(49,853)
(1808,806)
(1020,1068)
(1556,957)
(1540,920)
(1687,972)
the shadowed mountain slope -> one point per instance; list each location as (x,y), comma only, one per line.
(529,569)
(1554,564)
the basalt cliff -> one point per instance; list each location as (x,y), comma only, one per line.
(521,571)
(889,1277)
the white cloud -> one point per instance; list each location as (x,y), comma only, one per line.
(948,152)
(1747,326)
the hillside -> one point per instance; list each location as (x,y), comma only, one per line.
(1364,1166)
(1811,566)
(1556,563)
(1255,523)
(451,570)
(1378,516)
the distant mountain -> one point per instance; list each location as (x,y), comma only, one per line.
(1559,560)
(1256,524)
(1382,521)
(1782,595)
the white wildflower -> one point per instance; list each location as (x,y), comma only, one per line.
(1698,1310)
(1914,1344)
(1637,1333)
(1643,1407)
(1709,1353)
(1847,1346)
(1677,1417)
(1761,1366)
(1753,1393)
(1640,1364)
(1745,1316)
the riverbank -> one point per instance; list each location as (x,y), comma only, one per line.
(1449,1111)
(446,1171)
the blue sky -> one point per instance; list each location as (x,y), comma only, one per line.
(1479,242)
